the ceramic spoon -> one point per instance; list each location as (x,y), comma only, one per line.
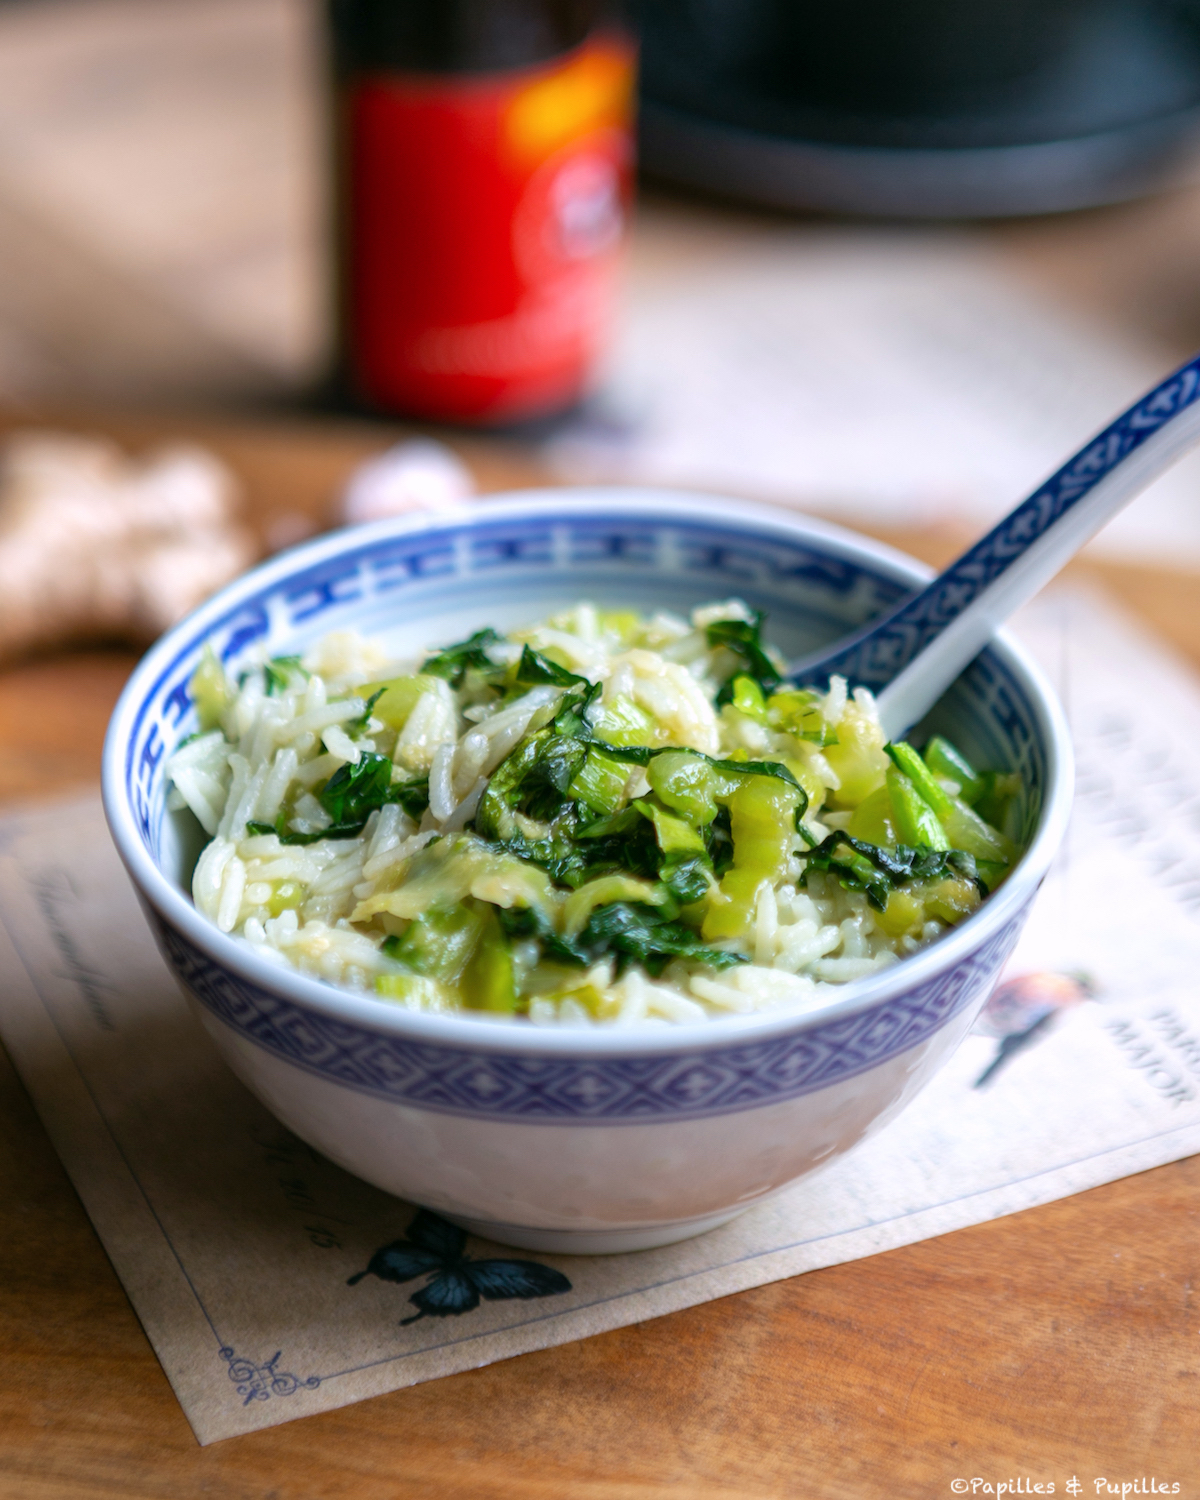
(911,655)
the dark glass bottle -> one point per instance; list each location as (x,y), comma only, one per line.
(484,163)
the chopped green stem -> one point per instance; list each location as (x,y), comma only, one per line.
(916,822)
(928,788)
(945,759)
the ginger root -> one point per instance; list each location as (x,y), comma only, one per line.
(97,546)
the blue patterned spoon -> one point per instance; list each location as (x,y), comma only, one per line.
(911,655)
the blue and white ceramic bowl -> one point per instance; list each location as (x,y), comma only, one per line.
(564,1139)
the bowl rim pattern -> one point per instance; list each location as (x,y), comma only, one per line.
(688,1083)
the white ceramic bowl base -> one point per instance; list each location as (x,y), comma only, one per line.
(575,1140)
(568,1189)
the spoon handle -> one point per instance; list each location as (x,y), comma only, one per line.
(911,655)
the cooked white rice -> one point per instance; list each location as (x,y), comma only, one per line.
(296,904)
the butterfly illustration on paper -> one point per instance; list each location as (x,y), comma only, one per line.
(431,1245)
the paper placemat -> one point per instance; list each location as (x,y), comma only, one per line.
(241,1248)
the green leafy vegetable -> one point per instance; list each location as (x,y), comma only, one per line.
(523,922)
(797,711)
(494,818)
(762,813)
(412,795)
(642,755)
(438,943)
(452,662)
(688,878)
(210,690)
(571,716)
(278,671)
(744,639)
(958,825)
(762,768)
(578,909)
(534,668)
(671,873)
(355,791)
(637,933)
(916,822)
(600,783)
(928,787)
(363,718)
(683,781)
(394,701)
(998,790)
(285,836)
(537,784)
(488,982)
(945,759)
(747,697)
(675,836)
(718,837)
(570,721)
(621,721)
(988,792)
(464,946)
(877,871)
(545,787)
(526,807)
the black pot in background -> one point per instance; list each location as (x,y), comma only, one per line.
(920,107)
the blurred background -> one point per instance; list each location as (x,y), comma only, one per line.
(888,261)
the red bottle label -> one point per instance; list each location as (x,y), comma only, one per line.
(485,218)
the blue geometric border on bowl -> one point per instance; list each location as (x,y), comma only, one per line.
(506,1085)
(478,547)
(726,558)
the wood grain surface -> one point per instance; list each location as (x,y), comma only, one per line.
(1062,1342)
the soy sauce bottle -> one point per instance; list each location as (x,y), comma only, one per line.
(484,157)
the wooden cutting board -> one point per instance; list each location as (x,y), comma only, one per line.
(1057,1343)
